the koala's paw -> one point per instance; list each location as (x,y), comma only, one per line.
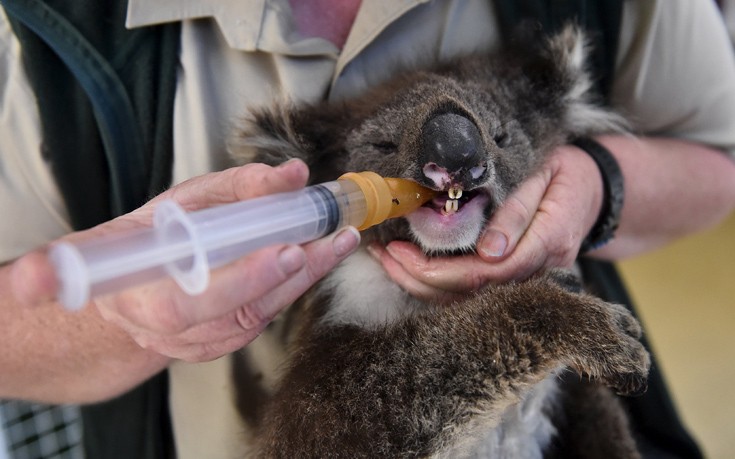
(611,352)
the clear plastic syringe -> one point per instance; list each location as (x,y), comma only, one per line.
(187,246)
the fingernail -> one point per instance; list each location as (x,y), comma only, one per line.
(346,241)
(291,259)
(494,244)
(375,250)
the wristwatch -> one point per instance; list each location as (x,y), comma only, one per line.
(614,192)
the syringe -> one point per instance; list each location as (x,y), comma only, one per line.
(187,246)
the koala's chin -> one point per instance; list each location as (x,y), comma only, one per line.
(441,229)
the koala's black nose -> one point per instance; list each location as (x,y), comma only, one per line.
(451,141)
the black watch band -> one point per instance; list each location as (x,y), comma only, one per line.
(614,192)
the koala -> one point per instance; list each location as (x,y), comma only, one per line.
(524,369)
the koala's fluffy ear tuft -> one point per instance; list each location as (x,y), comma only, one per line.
(584,113)
(569,49)
(267,135)
(285,130)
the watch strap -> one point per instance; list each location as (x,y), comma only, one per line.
(614,192)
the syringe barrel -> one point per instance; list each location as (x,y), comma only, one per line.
(104,264)
(187,246)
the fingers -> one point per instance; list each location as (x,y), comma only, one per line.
(241,300)
(322,256)
(162,307)
(500,257)
(265,282)
(409,274)
(443,278)
(546,218)
(289,176)
(242,297)
(510,222)
(540,225)
(237,184)
(450,274)
(202,342)
(216,188)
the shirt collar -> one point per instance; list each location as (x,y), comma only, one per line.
(265,25)
(240,21)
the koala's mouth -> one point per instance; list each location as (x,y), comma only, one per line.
(452,201)
(451,222)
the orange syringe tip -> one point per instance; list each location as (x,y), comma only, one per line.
(388,197)
(407,196)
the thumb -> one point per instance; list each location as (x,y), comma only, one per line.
(511,220)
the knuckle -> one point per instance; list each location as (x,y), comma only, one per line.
(473,278)
(567,243)
(315,272)
(259,178)
(253,172)
(151,343)
(167,317)
(475,281)
(199,354)
(251,316)
(562,247)
(517,211)
(518,269)
(160,314)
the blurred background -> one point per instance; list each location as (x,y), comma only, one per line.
(685,295)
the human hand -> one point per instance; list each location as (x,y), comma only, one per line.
(242,297)
(540,225)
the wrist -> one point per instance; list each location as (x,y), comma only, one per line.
(580,173)
(608,219)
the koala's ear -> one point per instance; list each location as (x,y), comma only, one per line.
(275,134)
(584,114)
(267,135)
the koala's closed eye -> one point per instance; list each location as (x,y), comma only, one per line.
(386,147)
(502,139)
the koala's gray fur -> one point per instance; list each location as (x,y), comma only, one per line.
(377,373)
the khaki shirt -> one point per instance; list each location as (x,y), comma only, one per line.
(675,77)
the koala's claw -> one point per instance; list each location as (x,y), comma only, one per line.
(613,354)
(630,384)
(625,373)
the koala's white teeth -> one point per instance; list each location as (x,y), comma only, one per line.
(454,192)
(451,206)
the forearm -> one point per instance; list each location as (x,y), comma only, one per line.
(672,188)
(60,357)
